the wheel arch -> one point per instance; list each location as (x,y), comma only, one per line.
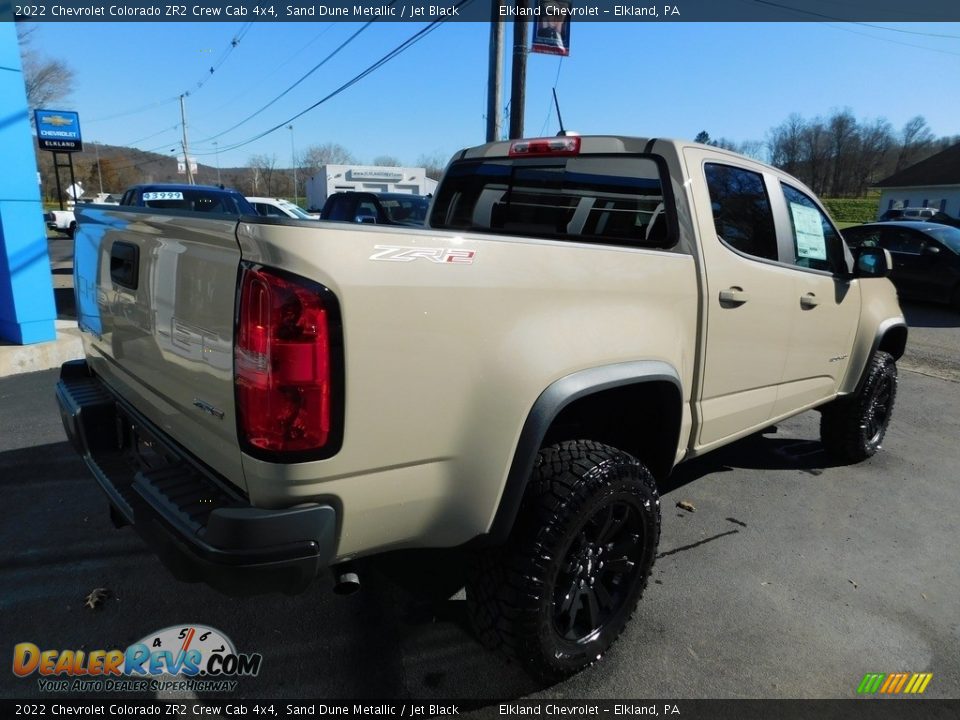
(605,404)
(891,337)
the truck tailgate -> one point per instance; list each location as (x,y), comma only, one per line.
(155,295)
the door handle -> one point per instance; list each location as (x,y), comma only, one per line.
(809,301)
(734,296)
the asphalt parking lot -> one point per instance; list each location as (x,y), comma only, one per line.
(792,579)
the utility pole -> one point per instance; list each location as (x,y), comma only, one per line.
(293,160)
(216,150)
(519,79)
(495,73)
(99,176)
(186,147)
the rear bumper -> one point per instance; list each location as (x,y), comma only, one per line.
(200,527)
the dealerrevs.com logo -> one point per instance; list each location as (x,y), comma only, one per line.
(180,657)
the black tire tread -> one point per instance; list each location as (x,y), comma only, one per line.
(505,584)
(841,422)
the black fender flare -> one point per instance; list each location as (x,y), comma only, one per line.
(547,407)
(891,336)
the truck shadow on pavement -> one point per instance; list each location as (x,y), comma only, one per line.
(754,452)
(398,637)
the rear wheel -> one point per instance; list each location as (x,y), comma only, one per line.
(561,590)
(852,428)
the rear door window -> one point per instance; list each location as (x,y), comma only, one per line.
(613,200)
(742,215)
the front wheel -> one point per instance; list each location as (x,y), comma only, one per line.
(852,428)
(561,590)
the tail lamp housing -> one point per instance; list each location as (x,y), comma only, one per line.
(288,367)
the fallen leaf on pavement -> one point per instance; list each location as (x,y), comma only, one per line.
(686,505)
(96,597)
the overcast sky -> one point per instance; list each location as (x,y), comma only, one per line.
(734,80)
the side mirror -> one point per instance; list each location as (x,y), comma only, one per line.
(871,262)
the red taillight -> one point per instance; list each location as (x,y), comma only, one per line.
(282,363)
(569,145)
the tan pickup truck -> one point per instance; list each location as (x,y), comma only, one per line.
(263,398)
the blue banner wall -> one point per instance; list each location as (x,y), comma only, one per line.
(27,309)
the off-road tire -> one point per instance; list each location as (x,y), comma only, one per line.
(852,428)
(557,595)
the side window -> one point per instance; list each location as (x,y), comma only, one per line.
(862,236)
(816,244)
(340,209)
(902,241)
(273,211)
(741,210)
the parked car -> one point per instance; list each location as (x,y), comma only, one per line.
(909,213)
(278,207)
(378,208)
(63,221)
(921,214)
(197,198)
(926,257)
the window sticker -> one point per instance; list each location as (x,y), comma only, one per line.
(165,195)
(808,229)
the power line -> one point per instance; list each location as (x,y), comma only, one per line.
(891,40)
(270,73)
(409,42)
(853,22)
(149,137)
(295,84)
(143,108)
(234,42)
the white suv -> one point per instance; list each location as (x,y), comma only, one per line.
(278,207)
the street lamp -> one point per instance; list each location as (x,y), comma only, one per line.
(216,150)
(293,160)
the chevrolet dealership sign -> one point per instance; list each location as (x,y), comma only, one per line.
(58,130)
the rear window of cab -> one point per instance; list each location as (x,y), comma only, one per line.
(616,200)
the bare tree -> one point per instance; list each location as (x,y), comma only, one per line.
(916,141)
(876,141)
(434,163)
(786,144)
(387,161)
(45,79)
(263,168)
(327,154)
(844,138)
(816,149)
